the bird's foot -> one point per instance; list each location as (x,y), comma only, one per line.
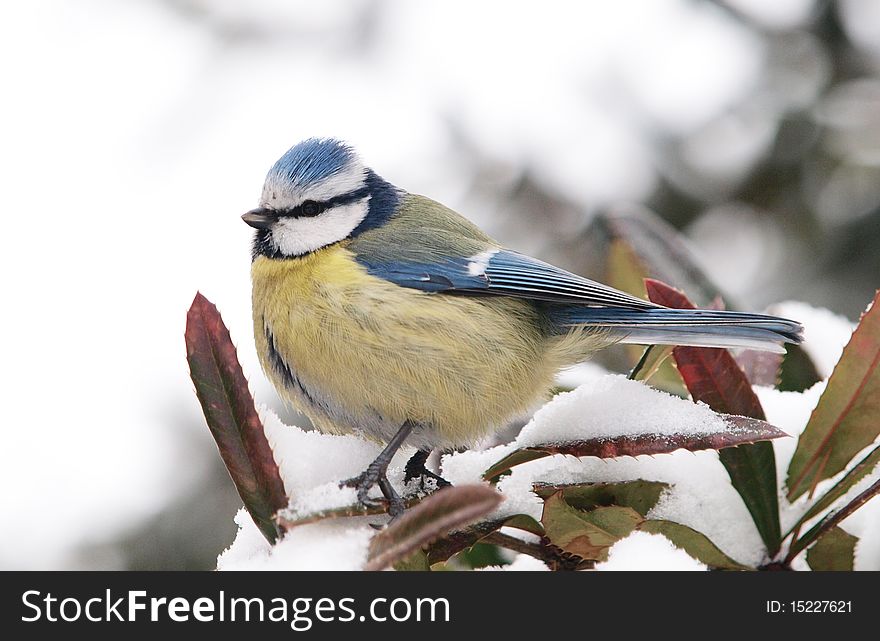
(375,475)
(415,469)
(364,482)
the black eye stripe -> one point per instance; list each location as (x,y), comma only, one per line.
(312,208)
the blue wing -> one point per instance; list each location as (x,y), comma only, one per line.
(583,302)
(502,272)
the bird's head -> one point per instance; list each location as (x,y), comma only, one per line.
(317,194)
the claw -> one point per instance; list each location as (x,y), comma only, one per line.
(375,475)
(365,481)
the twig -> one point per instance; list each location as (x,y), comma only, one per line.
(549,554)
(830,521)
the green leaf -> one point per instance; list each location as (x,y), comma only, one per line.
(638,495)
(694,543)
(847,418)
(440,513)
(587,535)
(835,551)
(525,523)
(482,555)
(739,430)
(415,562)
(797,371)
(231,416)
(713,377)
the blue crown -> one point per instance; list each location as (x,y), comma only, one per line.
(312,161)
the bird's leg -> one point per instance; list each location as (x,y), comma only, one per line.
(375,474)
(415,469)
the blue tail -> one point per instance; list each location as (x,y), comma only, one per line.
(691,327)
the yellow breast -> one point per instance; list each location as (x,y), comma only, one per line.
(356,352)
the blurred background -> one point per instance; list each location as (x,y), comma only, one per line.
(135,132)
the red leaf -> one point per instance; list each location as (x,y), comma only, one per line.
(761,368)
(741,431)
(845,420)
(442,512)
(232,418)
(713,377)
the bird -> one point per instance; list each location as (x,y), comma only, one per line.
(384,313)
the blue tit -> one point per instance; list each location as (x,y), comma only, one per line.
(385,313)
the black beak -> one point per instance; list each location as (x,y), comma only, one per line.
(259,218)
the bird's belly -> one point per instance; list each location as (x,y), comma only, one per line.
(357,353)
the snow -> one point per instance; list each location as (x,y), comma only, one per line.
(617,406)
(604,405)
(825,333)
(311,477)
(644,551)
(520,563)
(577,375)
(326,545)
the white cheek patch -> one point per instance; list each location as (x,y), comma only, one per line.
(480,263)
(298,236)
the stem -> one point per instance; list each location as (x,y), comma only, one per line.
(830,521)
(545,553)
(638,366)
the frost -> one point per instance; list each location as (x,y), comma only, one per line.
(644,551)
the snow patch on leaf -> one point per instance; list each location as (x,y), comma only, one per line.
(643,551)
(616,406)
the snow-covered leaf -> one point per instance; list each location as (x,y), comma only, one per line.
(694,543)
(835,551)
(736,430)
(639,495)
(232,418)
(847,418)
(713,377)
(586,534)
(442,512)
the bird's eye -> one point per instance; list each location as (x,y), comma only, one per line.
(311,208)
